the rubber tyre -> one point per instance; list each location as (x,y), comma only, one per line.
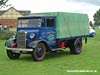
(76,46)
(12,55)
(38,53)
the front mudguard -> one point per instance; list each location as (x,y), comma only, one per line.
(9,43)
(35,43)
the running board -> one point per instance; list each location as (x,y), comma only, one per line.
(57,49)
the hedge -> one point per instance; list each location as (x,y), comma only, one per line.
(4,35)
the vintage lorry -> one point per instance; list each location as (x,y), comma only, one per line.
(43,32)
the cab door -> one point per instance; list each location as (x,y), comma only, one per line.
(49,32)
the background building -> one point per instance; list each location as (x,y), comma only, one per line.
(8,18)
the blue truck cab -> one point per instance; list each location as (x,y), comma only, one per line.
(36,35)
(38,28)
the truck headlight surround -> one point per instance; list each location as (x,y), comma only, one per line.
(32,35)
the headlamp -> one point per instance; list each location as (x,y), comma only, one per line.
(32,35)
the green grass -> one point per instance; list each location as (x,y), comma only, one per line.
(54,63)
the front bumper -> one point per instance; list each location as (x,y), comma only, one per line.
(19,49)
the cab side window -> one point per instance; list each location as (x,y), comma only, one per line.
(50,22)
(43,23)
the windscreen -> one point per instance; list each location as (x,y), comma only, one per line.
(34,22)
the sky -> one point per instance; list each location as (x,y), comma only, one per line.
(75,6)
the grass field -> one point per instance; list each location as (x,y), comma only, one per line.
(54,63)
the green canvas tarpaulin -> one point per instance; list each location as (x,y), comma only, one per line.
(70,24)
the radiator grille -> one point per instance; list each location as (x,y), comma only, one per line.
(21,40)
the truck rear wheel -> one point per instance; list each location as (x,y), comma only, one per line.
(12,55)
(75,46)
(38,53)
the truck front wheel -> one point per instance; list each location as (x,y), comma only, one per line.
(38,53)
(12,55)
(75,46)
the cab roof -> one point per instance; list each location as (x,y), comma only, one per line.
(34,16)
